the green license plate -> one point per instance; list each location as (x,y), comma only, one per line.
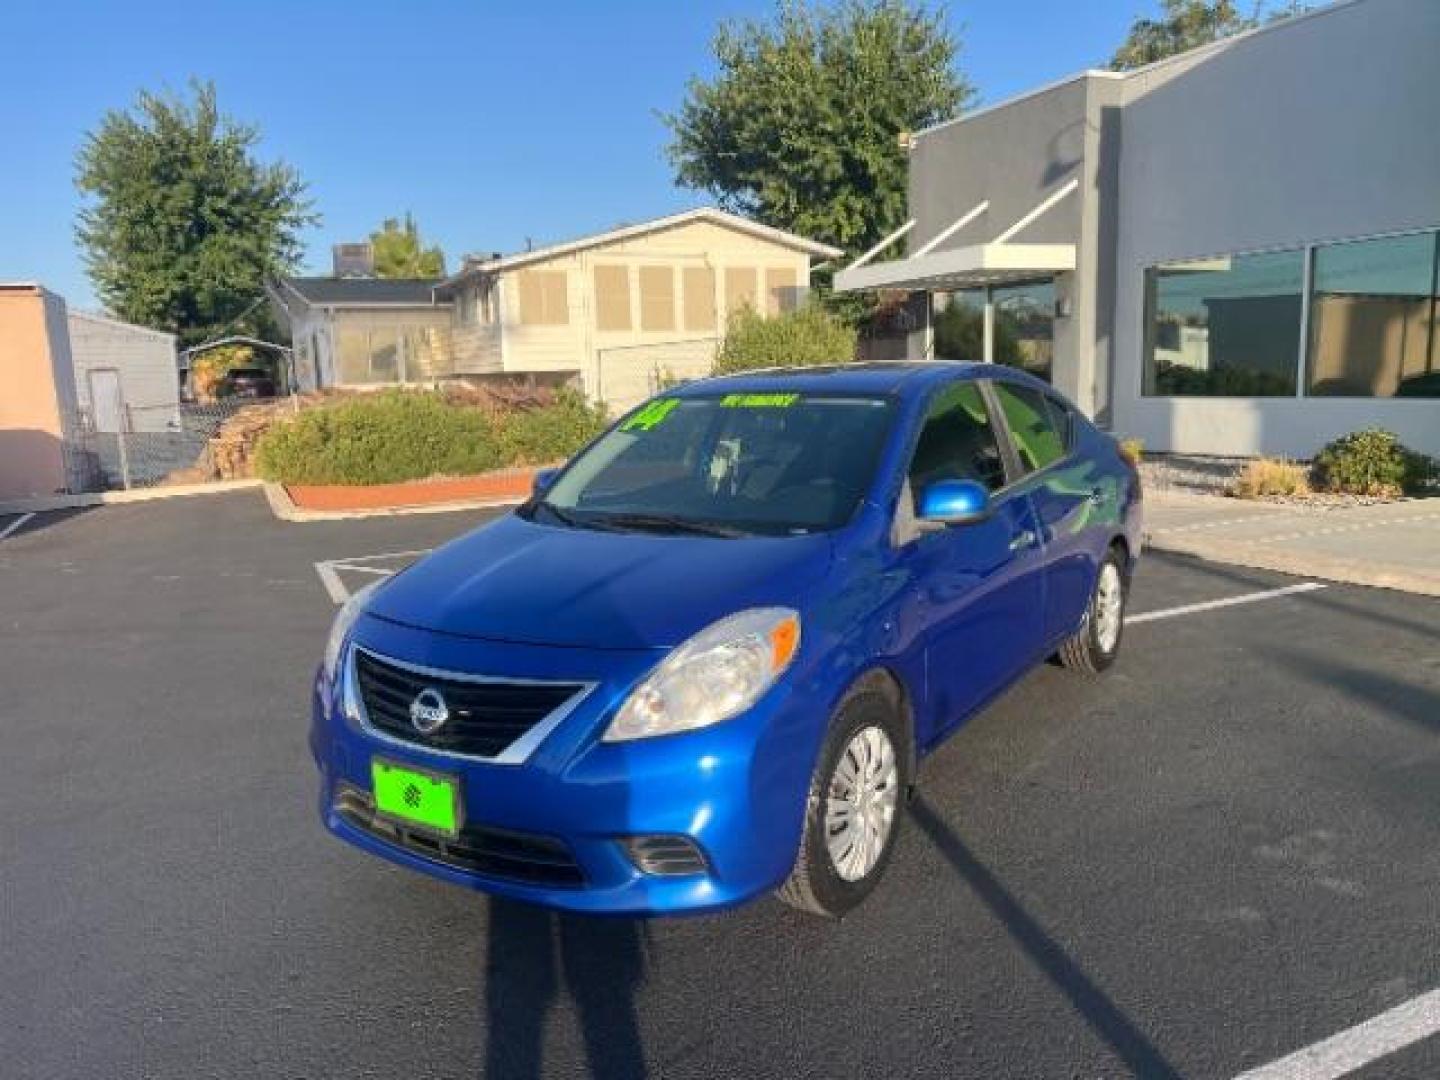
(415,797)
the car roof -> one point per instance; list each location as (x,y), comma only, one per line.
(899,377)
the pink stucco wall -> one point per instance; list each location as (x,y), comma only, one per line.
(35,384)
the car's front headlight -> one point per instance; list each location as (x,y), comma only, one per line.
(340,628)
(719,672)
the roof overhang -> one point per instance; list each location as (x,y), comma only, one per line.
(960,268)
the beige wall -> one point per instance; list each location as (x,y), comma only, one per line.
(36,386)
(696,254)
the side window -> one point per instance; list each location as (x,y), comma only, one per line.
(957,442)
(1040,440)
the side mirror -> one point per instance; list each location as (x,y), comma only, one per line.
(954,502)
(543,479)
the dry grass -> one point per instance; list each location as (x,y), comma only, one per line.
(1268,477)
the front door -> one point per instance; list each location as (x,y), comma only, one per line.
(978,590)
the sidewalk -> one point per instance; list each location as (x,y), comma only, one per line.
(1391,546)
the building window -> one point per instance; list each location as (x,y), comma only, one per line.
(1225,327)
(1025,327)
(543,298)
(369,356)
(1022,326)
(1373,329)
(740,288)
(782,295)
(698,297)
(465,308)
(657,298)
(612,298)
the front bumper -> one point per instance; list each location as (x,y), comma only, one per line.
(735,791)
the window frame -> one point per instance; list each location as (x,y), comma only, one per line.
(1307,250)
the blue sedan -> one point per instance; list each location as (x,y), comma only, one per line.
(702,662)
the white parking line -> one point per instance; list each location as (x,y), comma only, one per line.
(329,570)
(1355,1047)
(331,580)
(1229,601)
(21,520)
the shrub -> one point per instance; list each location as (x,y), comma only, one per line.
(550,433)
(805,337)
(1133,450)
(377,439)
(1371,462)
(409,435)
(1270,476)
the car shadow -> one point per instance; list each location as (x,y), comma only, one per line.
(532,954)
(1104,1017)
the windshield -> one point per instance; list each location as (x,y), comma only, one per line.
(735,464)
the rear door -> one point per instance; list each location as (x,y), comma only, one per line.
(977,590)
(1066,490)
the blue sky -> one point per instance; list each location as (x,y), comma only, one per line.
(492,122)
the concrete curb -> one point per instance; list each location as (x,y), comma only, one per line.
(284,508)
(1304,564)
(43,503)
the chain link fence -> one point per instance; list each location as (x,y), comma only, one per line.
(153,444)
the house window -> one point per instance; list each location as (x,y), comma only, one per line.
(1373,329)
(612,297)
(780,287)
(369,356)
(1224,327)
(543,298)
(698,283)
(740,288)
(657,298)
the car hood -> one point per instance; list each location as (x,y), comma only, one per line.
(514,580)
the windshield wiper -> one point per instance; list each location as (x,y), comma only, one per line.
(564,517)
(676,524)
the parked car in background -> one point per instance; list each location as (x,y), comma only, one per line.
(247,382)
(702,662)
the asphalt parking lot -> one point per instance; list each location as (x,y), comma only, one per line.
(1223,852)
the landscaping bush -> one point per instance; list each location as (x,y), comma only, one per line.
(409,435)
(550,433)
(805,337)
(1270,476)
(1371,462)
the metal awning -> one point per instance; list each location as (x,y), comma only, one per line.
(990,263)
(960,268)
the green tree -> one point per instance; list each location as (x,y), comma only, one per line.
(183,223)
(800,126)
(400,253)
(1188,24)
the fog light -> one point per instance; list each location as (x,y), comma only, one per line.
(665,856)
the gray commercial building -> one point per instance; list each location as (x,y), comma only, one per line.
(1234,251)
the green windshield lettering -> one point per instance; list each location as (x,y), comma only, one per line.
(651,415)
(758,401)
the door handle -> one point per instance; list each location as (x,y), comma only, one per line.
(1023,539)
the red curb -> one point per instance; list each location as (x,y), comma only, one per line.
(501,485)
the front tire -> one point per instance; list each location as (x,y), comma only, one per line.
(1094,647)
(854,807)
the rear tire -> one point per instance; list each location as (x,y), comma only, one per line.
(854,807)
(1093,647)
